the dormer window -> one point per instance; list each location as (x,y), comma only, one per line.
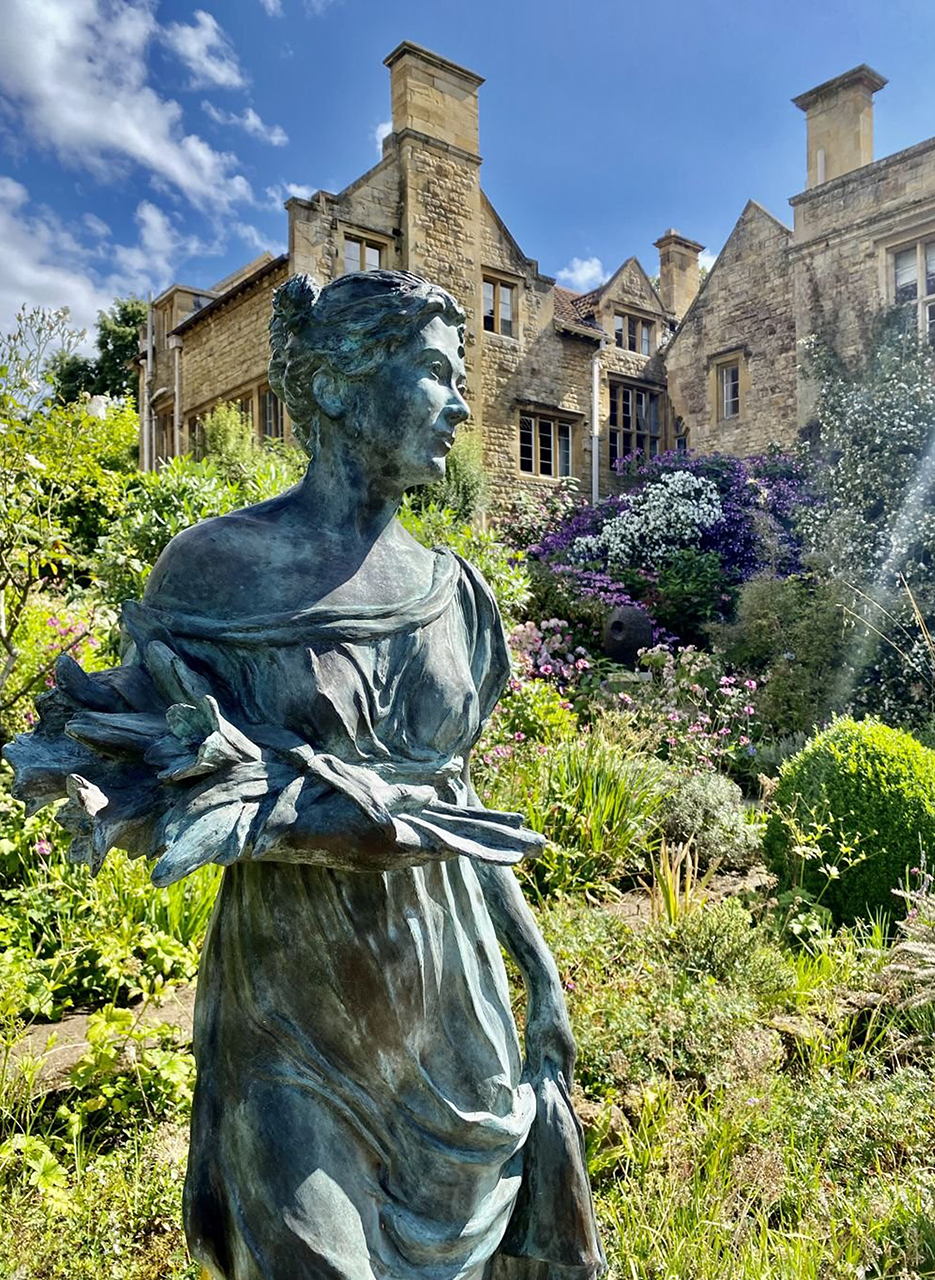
(362,255)
(499,307)
(633,334)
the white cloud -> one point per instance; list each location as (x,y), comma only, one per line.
(206,50)
(250,122)
(382,130)
(281,191)
(45,264)
(76,71)
(97,226)
(707,259)
(257,240)
(272,7)
(582,274)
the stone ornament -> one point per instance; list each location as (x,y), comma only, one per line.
(300,692)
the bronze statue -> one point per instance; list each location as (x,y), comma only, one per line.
(300,692)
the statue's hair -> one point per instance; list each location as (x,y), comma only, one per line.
(346,328)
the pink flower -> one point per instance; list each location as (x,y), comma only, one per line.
(743,740)
(748,710)
(519,737)
(546,668)
(750,684)
(43,848)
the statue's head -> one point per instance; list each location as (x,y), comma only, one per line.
(369,347)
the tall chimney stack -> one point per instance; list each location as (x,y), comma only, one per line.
(839,116)
(678,271)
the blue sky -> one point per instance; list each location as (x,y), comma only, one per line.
(143,141)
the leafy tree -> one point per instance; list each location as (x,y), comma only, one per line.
(111,372)
(72,376)
(118,345)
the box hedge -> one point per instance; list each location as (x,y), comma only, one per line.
(863,794)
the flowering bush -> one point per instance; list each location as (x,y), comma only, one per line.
(875,473)
(546,652)
(708,718)
(50,627)
(731,517)
(658,520)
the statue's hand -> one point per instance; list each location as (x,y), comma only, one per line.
(549,1040)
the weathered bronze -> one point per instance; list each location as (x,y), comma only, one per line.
(301,689)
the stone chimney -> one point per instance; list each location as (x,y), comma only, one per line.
(839,115)
(433,97)
(678,271)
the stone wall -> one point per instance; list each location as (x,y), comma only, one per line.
(845,233)
(225,352)
(745,307)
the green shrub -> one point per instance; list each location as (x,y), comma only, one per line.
(596,807)
(866,794)
(690,591)
(719,940)
(791,634)
(530,711)
(707,809)
(49,626)
(502,567)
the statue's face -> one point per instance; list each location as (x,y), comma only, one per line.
(410,408)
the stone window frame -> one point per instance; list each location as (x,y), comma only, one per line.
(921,240)
(634,332)
(249,400)
(500,280)
(717,365)
(560,427)
(624,394)
(367,239)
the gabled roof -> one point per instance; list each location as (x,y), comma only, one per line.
(751,209)
(632,261)
(576,308)
(239,286)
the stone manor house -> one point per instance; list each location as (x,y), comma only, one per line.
(560,383)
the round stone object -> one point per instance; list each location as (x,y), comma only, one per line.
(626,631)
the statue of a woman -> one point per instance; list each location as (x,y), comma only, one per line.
(300,692)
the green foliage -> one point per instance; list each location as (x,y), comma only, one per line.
(72,376)
(554,594)
(48,627)
(707,809)
(502,568)
(721,942)
(853,811)
(530,710)
(691,590)
(113,372)
(229,439)
(67,940)
(791,633)
(534,511)
(118,347)
(63,474)
(127,1067)
(462,490)
(597,808)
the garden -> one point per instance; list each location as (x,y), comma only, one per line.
(738,883)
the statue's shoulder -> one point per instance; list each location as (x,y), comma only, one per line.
(202,565)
